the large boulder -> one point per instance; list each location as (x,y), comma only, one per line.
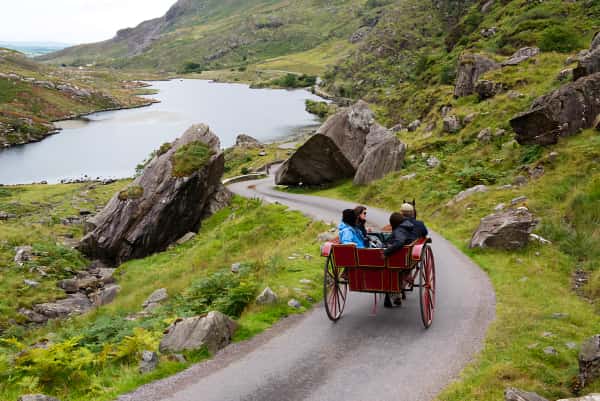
(383,153)
(589,360)
(246,141)
(213,330)
(470,68)
(158,207)
(563,112)
(74,304)
(348,144)
(504,230)
(590,62)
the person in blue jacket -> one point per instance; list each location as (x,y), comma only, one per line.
(348,232)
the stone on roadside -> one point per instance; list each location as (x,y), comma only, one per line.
(504,230)
(213,330)
(514,394)
(294,303)
(267,296)
(148,362)
(156,297)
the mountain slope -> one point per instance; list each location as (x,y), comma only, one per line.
(214,34)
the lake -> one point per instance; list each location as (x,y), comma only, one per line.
(110,144)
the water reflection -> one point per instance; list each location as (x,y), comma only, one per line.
(111,144)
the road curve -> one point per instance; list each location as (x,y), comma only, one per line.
(362,357)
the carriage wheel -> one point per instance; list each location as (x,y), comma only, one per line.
(427,286)
(334,290)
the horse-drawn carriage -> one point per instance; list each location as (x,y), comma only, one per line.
(368,270)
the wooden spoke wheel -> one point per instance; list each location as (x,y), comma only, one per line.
(427,286)
(335,290)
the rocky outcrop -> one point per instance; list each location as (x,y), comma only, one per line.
(589,360)
(74,304)
(451,124)
(348,144)
(504,230)
(246,141)
(563,112)
(487,89)
(521,55)
(158,208)
(213,330)
(589,63)
(470,68)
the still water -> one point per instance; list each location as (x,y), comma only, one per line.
(110,144)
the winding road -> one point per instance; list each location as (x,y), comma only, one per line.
(362,357)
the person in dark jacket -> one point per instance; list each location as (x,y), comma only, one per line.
(403,233)
(408,211)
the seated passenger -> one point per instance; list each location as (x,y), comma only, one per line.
(403,233)
(408,211)
(348,232)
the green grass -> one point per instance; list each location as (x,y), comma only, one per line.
(190,158)
(98,352)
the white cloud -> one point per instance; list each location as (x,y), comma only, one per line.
(74,21)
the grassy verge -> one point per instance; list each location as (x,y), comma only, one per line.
(96,355)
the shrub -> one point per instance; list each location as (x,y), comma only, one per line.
(471,176)
(192,67)
(560,38)
(321,109)
(245,170)
(190,158)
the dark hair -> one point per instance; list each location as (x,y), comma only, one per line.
(349,217)
(359,209)
(396,219)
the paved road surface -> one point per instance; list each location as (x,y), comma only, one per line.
(362,357)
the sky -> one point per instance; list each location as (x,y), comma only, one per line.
(73,21)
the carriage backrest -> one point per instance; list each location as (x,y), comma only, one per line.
(344,255)
(370,257)
(400,259)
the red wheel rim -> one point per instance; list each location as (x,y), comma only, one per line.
(427,286)
(334,291)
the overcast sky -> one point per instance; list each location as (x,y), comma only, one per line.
(73,21)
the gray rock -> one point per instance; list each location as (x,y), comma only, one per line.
(521,55)
(469,118)
(32,316)
(504,230)
(550,351)
(105,295)
(414,125)
(451,124)
(488,32)
(267,296)
(213,331)
(294,303)
(571,345)
(68,285)
(499,207)
(433,162)
(246,141)
(31,283)
(106,275)
(470,68)
(348,144)
(156,297)
(589,360)
(23,254)
(520,180)
(409,176)
(514,394)
(187,237)
(37,397)
(563,112)
(148,362)
(7,216)
(565,74)
(157,208)
(487,89)
(518,199)
(397,128)
(485,135)
(235,267)
(74,304)
(588,63)
(466,193)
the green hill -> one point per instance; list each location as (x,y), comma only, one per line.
(33,95)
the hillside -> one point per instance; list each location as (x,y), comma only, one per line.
(33,95)
(208,34)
